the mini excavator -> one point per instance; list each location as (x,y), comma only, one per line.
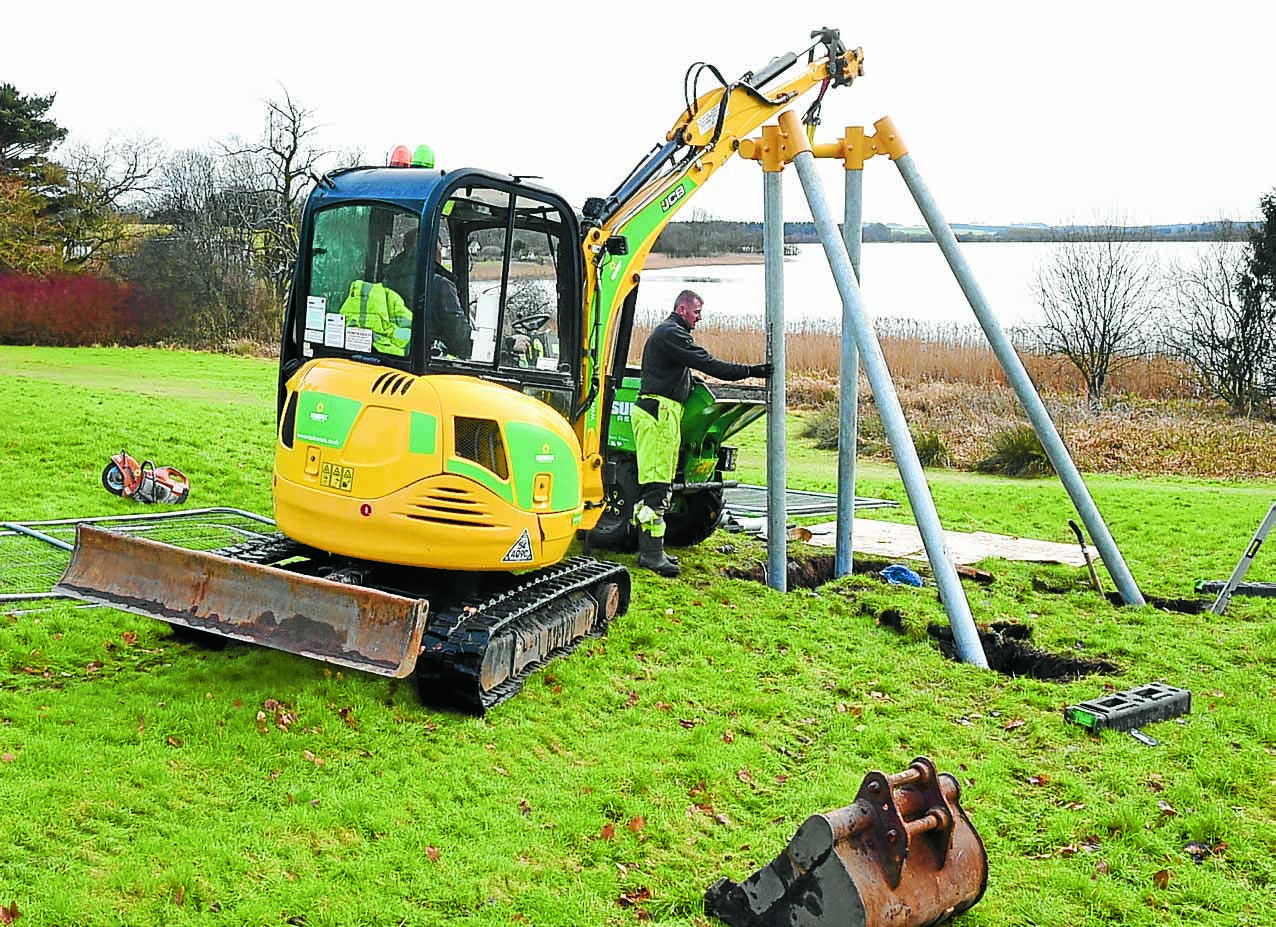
(452,344)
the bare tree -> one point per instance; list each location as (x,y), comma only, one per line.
(273,175)
(102,182)
(199,262)
(1225,338)
(1097,299)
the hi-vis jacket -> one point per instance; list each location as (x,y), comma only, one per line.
(379,308)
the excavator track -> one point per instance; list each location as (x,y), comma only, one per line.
(470,639)
(476,654)
(477,651)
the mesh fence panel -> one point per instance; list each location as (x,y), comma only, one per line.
(30,566)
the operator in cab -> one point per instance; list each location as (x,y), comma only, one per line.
(447,319)
(668,358)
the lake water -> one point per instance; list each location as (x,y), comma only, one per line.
(905,281)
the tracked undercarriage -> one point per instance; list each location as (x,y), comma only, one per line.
(470,639)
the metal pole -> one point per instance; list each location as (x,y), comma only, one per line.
(1021,382)
(848,382)
(38,535)
(1242,565)
(879,377)
(777,559)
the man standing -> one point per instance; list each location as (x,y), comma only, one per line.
(667,361)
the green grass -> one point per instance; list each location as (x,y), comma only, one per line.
(138,785)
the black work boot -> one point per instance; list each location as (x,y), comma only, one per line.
(651,554)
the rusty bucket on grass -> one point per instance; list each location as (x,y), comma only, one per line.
(903,855)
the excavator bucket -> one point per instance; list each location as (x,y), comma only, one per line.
(349,625)
(903,855)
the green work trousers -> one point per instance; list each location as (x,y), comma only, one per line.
(657,439)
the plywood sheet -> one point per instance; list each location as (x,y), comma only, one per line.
(888,539)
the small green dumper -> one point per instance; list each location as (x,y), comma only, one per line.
(711,416)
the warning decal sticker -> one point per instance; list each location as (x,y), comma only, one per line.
(521,552)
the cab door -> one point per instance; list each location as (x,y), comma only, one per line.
(511,252)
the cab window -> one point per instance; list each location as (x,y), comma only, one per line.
(362,281)
(512,265)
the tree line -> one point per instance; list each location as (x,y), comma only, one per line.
(706,236)
(125,243)
(195,247)
(1106,304)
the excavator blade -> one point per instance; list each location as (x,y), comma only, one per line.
(353,626)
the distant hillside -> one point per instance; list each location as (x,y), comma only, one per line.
(718,236)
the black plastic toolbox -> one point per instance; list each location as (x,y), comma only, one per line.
(1124,711)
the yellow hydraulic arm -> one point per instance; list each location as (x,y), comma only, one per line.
(621,228)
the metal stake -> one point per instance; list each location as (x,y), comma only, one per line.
(848,385)
(777,561)
(1019,380)
(879,377)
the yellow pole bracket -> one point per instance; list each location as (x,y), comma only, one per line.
(887,140)
(780,143)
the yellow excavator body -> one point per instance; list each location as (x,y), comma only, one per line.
(446,472)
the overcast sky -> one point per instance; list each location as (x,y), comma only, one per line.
(1150,112)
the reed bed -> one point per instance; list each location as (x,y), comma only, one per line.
(951,385)
(926,352)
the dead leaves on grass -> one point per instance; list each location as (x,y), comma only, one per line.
(277,713)
(634,899)
(635,826)
(347,717)
(699,794)
(10,914)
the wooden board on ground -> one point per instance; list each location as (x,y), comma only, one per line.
(888,539)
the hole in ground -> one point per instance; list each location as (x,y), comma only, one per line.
(1056,586)
(809,572)
(1005,644)
(1009,653)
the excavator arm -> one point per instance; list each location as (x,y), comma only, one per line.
(621,229)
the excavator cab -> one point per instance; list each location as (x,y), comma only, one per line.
(430,368)
(431,272)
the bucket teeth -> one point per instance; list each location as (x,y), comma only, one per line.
(903,854)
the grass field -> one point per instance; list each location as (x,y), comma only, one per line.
(148,780)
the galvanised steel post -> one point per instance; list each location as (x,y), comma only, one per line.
(848,381)
(879,377)
(777,560)
(1015,372)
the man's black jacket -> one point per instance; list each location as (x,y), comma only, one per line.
(670,355)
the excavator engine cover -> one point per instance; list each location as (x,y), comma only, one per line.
(903,855)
